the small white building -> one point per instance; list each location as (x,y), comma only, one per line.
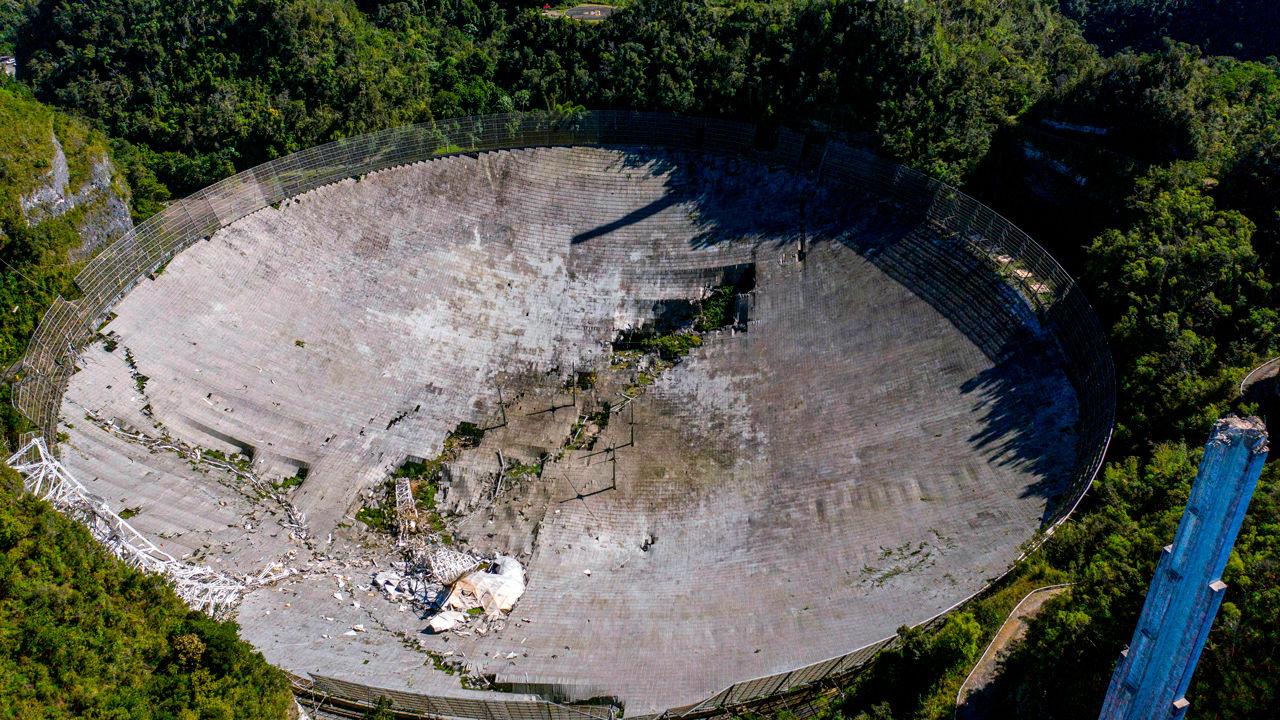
(8,66)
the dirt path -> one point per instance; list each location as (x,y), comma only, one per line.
(584,13)
(971,702)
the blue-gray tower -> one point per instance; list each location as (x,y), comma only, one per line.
(1154,672)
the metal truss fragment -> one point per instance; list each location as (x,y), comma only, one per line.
(406,508)
(448,565)
(200,587)
(444,564)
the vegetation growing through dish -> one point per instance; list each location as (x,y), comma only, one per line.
(424,481)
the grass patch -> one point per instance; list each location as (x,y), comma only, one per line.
(235,460)
(139,380)
(291,482)
(83,147)
(27,156)
(376,517)
(717,310)
(581,436)
(517,470)
(668,346)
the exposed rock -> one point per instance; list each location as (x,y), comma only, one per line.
(107,210)
(49,199)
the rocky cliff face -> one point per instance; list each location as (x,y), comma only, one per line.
(105,203)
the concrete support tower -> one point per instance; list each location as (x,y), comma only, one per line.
(1154,672)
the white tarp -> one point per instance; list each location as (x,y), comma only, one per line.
(496,589)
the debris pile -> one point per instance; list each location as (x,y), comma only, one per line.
(446,620)
(475,602)
(404,583)
(494,589)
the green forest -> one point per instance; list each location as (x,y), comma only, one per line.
(84,636)
(1138,140)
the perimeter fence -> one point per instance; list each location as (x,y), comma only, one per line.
(955,234)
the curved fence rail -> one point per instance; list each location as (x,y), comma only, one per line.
(956,235)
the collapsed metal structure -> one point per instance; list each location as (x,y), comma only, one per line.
(199,586)
(406,508)
(426,550)
(448,565)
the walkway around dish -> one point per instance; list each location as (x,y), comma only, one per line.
(971,703)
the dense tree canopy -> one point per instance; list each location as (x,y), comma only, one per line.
(930,81)
(1243,28)
(84,636)
(209,87)
(1188,297)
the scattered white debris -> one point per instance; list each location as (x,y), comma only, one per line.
(402,586)
(337,596)
(446,621)
(387,579)
(586,572)
(358,627)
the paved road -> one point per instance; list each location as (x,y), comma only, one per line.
(971,702)
(1262,386)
